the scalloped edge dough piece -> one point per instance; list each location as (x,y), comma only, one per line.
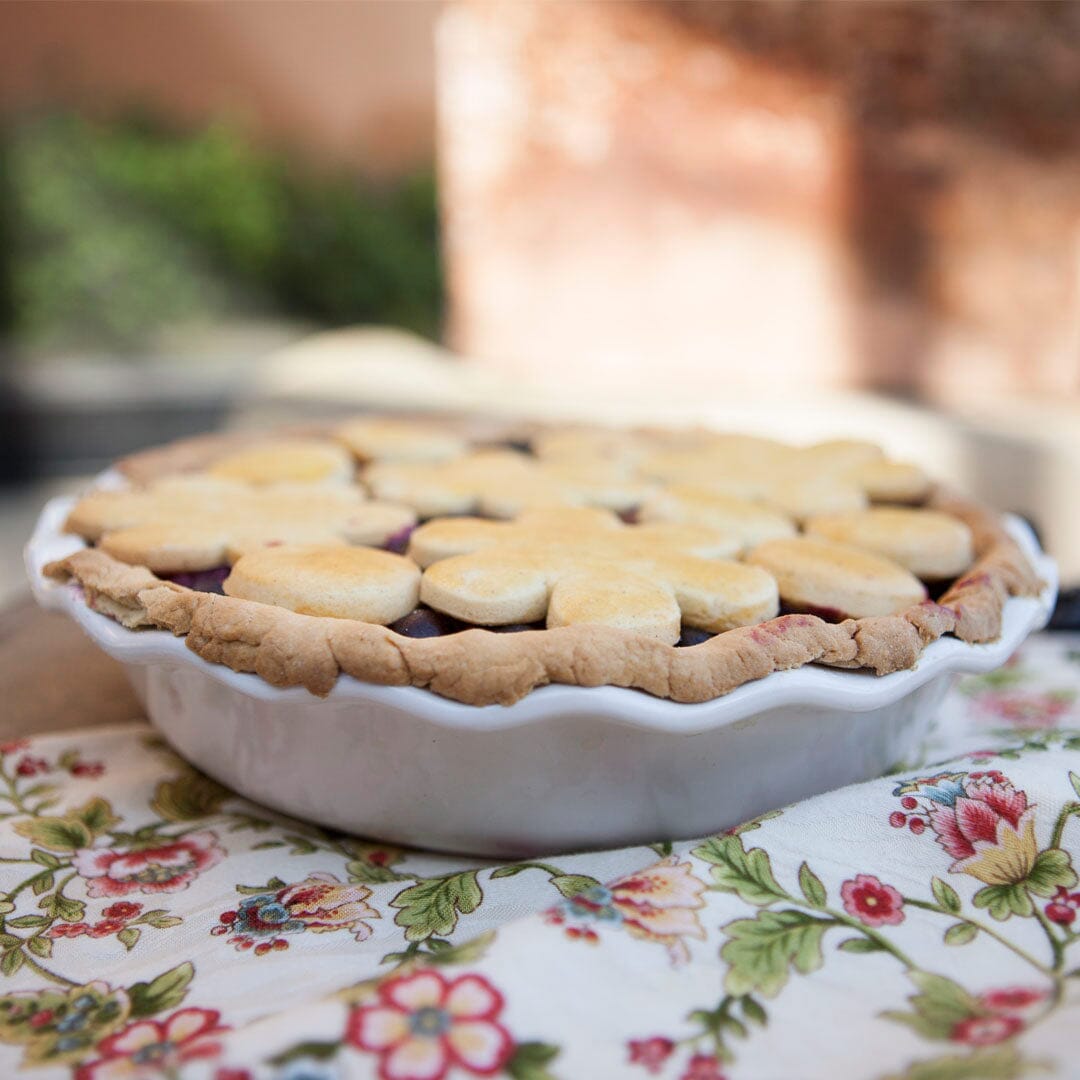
(478,667)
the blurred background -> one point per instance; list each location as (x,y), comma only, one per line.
(802,218)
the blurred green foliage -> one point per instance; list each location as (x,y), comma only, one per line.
(115,229)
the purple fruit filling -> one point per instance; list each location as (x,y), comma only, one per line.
(209,581)
(425,622)
(827,614)
(630,516)
(398,542)
(691,636)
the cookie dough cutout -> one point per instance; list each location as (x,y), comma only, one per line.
(286,461)
(381,439)
(199,523)
(502,484)
(328,580)
(837,580)
(572,566)
(752,522)
(932,545)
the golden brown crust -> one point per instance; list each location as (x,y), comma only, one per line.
(478,667)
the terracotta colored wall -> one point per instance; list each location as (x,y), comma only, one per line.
(783,193)
(347,81)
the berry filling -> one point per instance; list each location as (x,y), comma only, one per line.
(208,581)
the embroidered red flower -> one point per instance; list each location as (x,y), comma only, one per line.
(106,927)
(1026,709)
(986,1030)
(165,868)
(122,909)
(424,1025)
(64,929)
(14,746)
(90,769)
(31,766)
(871,902)
(1012,998)
(152,1048)
(702,1067)
(652,1053)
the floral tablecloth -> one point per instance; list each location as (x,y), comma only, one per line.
(920,926)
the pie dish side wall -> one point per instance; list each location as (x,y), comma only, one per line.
(565,768)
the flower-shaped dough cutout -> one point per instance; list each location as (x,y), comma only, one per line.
(285,461)
(828,478)
(751,522)
(193,523)
(379,438)
(837,581)
(328,580)
(503,484)
(584,566)
(932,545)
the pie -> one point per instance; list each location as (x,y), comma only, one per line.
(482,565)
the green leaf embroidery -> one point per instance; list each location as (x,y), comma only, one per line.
(96,814)
(42,883)
(188,797)
(468,952)
(45,858)
(11,962)
(62,907)
(961,933)
(811,887)
(164,992)
(754,1012)
(57,833)
(571,885)
(370,873)
(1052,868)
(859,945)
(129,936)
(318,1051)
(1002,901)
(938,1007)
(159,919)
(760,950)
(945,895)
(28,920)
(40,946)
(432,907)
(1074,779)
(746,873)
(998,1063)
(530,1061)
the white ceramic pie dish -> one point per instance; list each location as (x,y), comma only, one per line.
(565,768)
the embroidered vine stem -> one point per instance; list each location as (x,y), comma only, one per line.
(45,972)
(879,940)
(983,928)
(1062,819)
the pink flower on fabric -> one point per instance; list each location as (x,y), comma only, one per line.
(166,868)
(424,1025)
(989,830)
(1012,998)
(1026,709)
(871,902)
(658,904)
(986,1030)
(652,1053)
(702,1067)
(151,1048)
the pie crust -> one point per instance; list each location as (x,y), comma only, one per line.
(481,667)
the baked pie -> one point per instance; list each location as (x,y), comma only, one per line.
(400,552)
